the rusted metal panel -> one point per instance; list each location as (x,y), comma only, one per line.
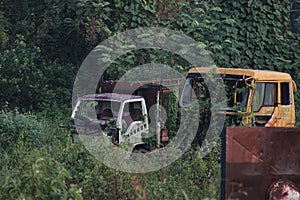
(257,157)
(147,89)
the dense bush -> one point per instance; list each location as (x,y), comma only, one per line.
(56,36)
(48,165)
(18,130)
(30,83)
(38,178)
(20,75)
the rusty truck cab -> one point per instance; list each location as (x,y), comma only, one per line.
(258,97)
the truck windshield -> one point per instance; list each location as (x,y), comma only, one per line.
(237,92)
(96,109)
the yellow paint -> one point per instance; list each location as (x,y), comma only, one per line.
(275,115)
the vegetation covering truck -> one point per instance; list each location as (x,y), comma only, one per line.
(125,117)
(254,97)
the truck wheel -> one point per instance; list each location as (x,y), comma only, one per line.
(283,190)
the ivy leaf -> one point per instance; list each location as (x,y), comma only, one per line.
(283,60)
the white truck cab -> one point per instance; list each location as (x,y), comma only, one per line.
(121,117)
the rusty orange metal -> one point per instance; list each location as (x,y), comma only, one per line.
(283,190)
(256,74)
(258,157)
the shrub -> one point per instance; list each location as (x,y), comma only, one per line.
(20,130)
(38,178)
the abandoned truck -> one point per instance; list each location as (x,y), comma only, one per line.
(254,97)
(123,116)
(258,97)
(113,112)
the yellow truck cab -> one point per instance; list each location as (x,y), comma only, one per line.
(260,97)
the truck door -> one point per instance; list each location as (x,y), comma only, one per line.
(134,123)
(285,108)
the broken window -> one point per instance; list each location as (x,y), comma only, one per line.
(285,93)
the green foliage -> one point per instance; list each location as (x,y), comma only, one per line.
(67,31)
(19,74)
(20,131)
(39,178)
(242,34)
(43,43)
(60,169)
(295,16)
(30,83)
(30,167)
(171,104)
(57,87)
(257,35)
(131,14)
(3,30)
(190,177)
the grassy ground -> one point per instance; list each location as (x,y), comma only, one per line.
(39,161)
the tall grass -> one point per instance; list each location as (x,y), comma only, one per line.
(39,161)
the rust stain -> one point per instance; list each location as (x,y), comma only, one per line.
(283,190)
(252,154)
(258,157)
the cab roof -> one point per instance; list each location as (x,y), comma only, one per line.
(110,96)
(259,75)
